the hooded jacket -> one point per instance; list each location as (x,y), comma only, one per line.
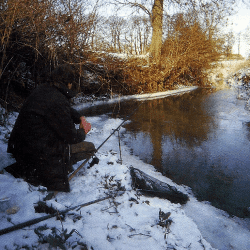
(44,129)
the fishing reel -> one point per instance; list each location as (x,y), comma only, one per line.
(94,161)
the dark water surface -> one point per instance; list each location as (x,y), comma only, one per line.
(200,139)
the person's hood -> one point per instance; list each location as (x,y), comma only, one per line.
(65,91)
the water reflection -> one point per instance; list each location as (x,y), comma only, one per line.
(181,119)
(247,125)
(200,139)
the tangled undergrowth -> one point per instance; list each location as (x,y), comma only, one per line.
(100,75)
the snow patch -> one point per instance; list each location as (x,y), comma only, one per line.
(127,221)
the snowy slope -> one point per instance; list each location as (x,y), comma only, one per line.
(127,221)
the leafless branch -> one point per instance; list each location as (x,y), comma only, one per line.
(134,5)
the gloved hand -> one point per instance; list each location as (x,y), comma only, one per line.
(85,125)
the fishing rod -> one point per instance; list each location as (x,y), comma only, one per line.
(95,159)
(37,220)
(126,119)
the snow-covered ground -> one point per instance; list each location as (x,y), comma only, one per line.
(82,102)
(240,81)
(127,221)
(224,70)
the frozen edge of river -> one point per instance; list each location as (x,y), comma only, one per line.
(217,227)
(139,97)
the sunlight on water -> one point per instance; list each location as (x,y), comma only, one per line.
(200,139)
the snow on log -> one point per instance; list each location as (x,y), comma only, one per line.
(151,186)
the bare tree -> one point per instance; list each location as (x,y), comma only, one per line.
(229,40)
(213,10)
(116,26)
(137,34)
(156,21)
(37,35)
(141,26)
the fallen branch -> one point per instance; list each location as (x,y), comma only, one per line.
(37,220)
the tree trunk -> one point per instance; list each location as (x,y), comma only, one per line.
(156,20)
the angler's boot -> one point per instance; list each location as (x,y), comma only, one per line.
(81,151)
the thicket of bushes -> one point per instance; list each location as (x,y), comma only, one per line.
(36,36)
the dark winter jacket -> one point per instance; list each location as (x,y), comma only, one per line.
(44,129)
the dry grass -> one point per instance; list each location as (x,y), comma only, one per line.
(32,43)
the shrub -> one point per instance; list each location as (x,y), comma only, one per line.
(188,51)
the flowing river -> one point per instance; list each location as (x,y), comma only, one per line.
(200,139)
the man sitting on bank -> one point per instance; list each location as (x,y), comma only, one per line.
(44,140)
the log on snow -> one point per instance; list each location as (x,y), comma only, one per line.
(151,186)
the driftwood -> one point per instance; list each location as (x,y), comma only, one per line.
(46,217)
(151,186)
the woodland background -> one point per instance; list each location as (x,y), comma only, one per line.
(157,46)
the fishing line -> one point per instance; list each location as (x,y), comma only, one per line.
(118,128)
(132,113)
(95,159)
(125,120)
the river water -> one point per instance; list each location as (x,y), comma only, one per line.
(200,139)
